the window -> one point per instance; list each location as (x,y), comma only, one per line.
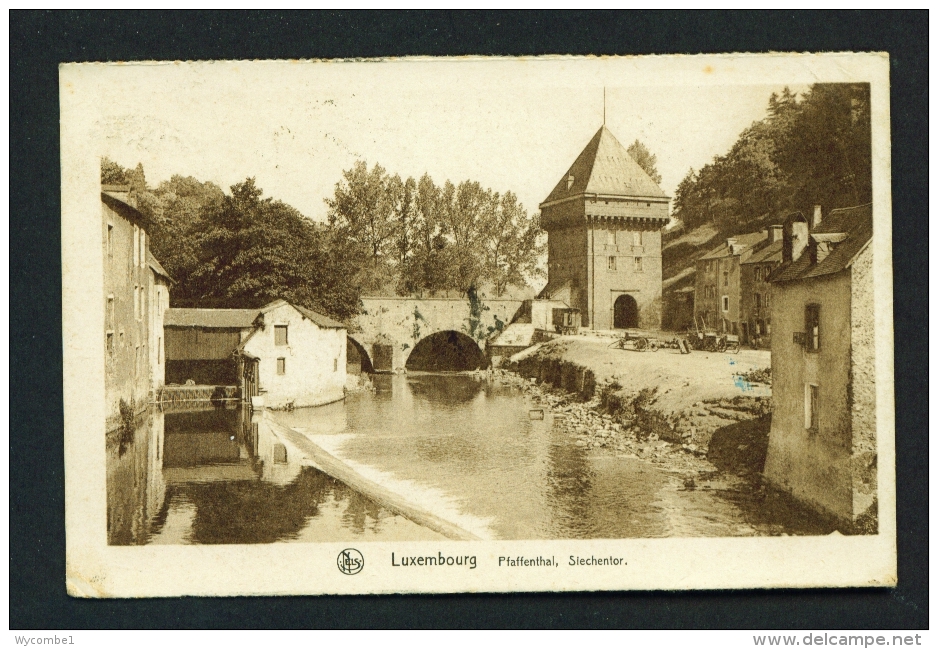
(280,334)
(136,246)
(765,300)
(110,240)
(335,364)
(810,407)
(110,342)
(768,326)
(143,248)
(638,264)
(726,278)
(281,366)
(159,349)
(612,263)
(610,237)
(758,301)
(637,238)
(136,302)
(726,302)
(812,327)
(110,312)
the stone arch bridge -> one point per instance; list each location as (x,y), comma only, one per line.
(390,328)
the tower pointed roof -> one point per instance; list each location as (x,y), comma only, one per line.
(605,167)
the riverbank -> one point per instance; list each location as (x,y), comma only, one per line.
(698,415)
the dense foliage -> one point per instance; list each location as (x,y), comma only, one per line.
(416,237)
(384,235)
(812,150)
(239,249)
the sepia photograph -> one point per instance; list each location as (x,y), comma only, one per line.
(608,323)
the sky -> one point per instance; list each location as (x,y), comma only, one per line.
(512,125)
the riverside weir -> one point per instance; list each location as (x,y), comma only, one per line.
(422,456)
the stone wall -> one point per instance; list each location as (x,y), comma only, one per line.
(862,393)
(814,465)
(401,323)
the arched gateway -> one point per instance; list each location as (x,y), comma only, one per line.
(625,312)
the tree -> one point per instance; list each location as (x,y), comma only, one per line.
(113,173)
(645,159)
(242,250)
(513,245)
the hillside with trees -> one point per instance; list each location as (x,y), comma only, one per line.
(813,149)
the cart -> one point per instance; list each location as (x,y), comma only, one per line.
(636,340)
(709,340)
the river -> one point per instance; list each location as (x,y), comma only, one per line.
(464,449)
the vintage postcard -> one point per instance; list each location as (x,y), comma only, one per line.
(478,325)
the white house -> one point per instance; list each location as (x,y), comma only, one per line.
(298,356)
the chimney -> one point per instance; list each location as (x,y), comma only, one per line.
(794,237)
(816,219)
(775,233)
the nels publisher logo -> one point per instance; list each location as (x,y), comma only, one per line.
(350,561)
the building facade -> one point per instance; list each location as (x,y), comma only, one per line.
(822,444)
(125,247)
(603,223)
(288,354)
(158,296)
(731,292)
(299,356)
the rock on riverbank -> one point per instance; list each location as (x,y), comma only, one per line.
(691,412)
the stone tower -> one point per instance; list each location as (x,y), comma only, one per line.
(603,223)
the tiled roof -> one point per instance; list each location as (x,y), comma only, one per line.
(319,319)
(605,167)
(155,265)
(211,318)
(117,198)
(855,222)
(769,253)
(553,288)
(746,240)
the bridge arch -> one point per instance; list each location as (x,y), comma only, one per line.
(356,353)
(446,351)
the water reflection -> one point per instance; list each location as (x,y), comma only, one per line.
(215,476)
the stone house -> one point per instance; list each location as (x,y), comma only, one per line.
(298,356)
(158,285)
(728,281)
(288,354)
(126,304)
(822,444)
(603,222)
(755,291)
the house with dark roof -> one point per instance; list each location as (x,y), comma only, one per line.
(729,284)
(603,222)
(822,444)
(289,354)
